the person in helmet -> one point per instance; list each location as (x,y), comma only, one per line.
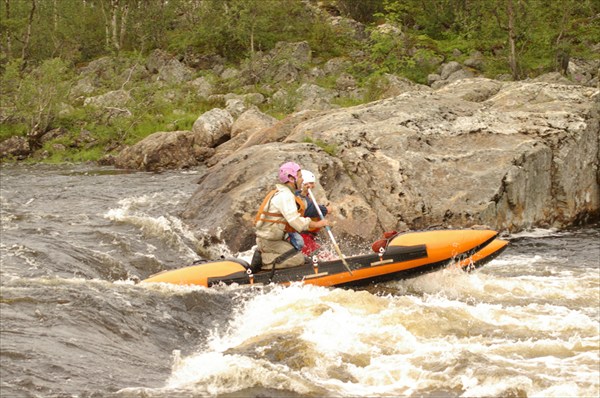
(308,182)
(305,241)
(279,214)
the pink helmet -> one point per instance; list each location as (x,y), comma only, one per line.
(286,169)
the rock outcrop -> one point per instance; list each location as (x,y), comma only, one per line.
(476,152)
(165,150)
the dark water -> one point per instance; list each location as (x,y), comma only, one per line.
(74,239)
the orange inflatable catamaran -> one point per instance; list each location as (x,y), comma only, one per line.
(399,256)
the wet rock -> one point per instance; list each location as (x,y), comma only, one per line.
(477,152)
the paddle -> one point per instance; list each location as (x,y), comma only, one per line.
(335,245)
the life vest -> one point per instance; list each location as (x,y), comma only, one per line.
(305,204)
(261,215)
(302,209)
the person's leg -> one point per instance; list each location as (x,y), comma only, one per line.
(271,249)
(296,240)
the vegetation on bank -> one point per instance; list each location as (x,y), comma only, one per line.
(45,43)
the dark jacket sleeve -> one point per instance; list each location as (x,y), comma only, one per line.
(311,210)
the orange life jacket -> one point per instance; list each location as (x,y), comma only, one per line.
(262,215)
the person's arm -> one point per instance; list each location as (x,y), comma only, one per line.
(312,212)
(318,224)
(324,209)
(286,204)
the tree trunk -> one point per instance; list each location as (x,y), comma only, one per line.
(116,25)
(8,34)
(27,37)
(123,30)
(512,57)
(106,26)
(114,6)
(55,40)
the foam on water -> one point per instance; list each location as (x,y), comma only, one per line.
(169,229)
(447,332)
(537,233)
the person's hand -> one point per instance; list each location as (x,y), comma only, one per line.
(318,224)
(323,223)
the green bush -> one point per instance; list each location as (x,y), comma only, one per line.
(35,97)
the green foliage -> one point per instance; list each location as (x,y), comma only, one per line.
(387,52)
(347,102)
(10,130)
(235,29)
(55,155)
(364,11)
(37,70)
(133,131)
(34,98)
(411,56)
(375,87)
(284,102)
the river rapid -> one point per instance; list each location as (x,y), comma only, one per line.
(75,239)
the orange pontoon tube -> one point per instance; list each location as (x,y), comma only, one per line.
(405,255)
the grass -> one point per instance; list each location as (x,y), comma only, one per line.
(9,130)
(331,149)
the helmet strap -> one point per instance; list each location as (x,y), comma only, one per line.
(293,180)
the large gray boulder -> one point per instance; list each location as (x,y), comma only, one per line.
(251,122)
(179,149)
(213,127)
(225,203)
(506,155)
(165,150)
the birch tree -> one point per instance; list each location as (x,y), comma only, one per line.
(115,14)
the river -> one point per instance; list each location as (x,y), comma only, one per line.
(74,322)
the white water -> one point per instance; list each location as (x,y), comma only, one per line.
(444,333)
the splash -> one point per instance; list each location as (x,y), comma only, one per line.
(446,333)
(170,229)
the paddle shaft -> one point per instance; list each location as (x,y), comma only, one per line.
(335,245)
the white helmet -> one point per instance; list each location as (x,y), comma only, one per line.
(308,177)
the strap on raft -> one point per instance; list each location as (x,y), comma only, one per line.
(281,258)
